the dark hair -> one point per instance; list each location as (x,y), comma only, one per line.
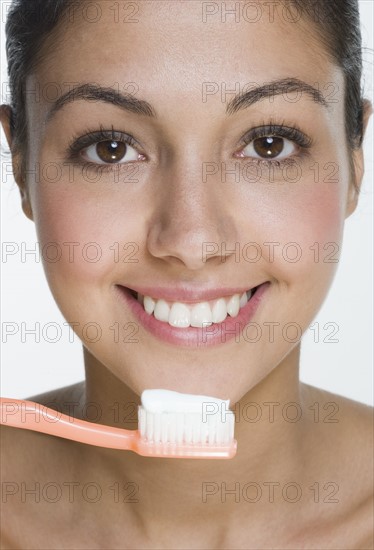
(335,22)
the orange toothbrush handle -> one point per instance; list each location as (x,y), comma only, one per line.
(28,415)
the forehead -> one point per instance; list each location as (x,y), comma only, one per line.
(187,58)
(174,49)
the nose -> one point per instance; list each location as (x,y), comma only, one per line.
(192,223)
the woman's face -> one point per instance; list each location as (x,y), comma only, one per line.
(179,207)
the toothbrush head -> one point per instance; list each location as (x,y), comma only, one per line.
(175,425)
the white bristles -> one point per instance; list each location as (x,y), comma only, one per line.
(185,425)
(187,428)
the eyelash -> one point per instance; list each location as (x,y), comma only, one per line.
(294,134)
(92,137)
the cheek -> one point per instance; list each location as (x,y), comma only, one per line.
(82,233)
(304,223)
(318,214)
(305,226)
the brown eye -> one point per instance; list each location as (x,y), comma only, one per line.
(269,147)
(109,152)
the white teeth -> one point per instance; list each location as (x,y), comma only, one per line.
(149,304)
(243,299)
(233,305)
(219,311)
(182,315)
(162,311)
(201,313)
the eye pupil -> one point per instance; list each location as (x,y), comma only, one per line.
(111,151)
(268,147)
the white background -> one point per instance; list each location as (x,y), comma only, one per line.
(345,367)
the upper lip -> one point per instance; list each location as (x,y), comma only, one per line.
(175,293)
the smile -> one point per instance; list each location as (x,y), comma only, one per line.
(182,315)
(205,318)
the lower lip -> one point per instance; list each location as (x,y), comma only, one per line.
(217,333)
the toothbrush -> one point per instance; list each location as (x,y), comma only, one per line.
(170,425)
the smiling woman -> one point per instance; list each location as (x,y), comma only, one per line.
(206,164)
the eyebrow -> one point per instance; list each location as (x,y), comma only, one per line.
(274,88)
(128,102)
(92,92)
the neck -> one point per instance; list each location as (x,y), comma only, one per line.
(269,451)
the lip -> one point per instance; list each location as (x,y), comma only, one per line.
(175,293)
(217,333)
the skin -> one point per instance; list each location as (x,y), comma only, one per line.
(169,214)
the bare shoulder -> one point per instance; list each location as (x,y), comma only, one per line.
(347,426)
(23,451)
(15,441)
(27,458)
(20,461)
(346,440)
(342,409)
